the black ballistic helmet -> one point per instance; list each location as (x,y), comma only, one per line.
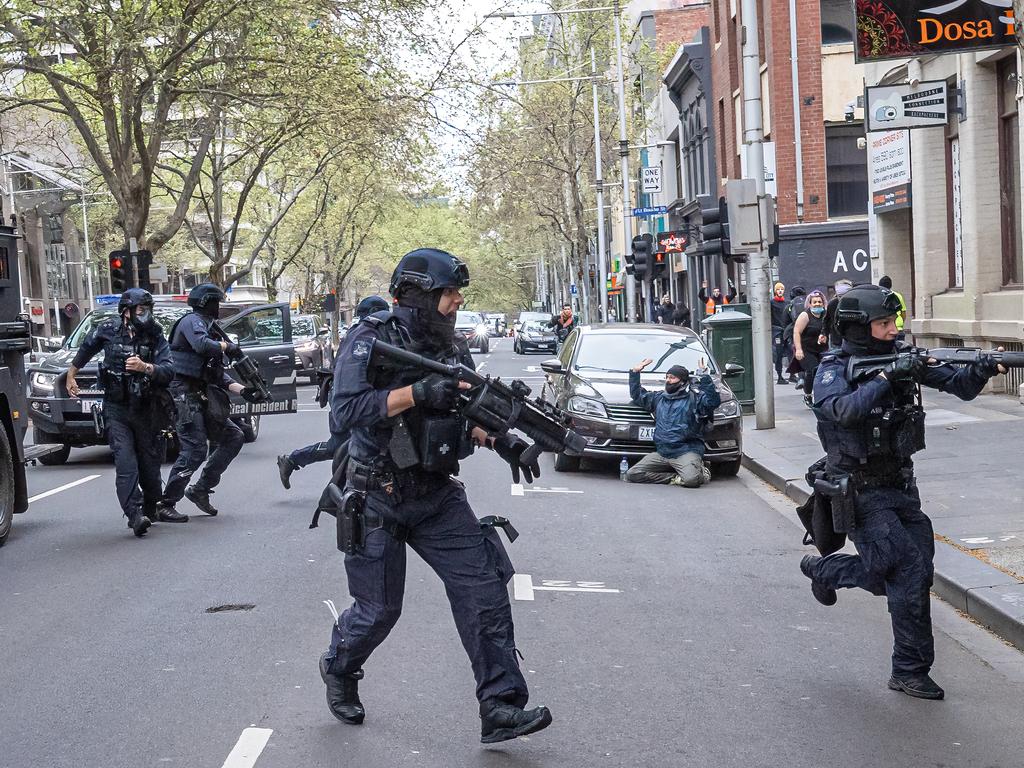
(369,305)
(428,269)
(859,306)
(134,297)
(204,293)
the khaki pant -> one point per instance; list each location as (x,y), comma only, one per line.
(655,468)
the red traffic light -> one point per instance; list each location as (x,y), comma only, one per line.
(115,263)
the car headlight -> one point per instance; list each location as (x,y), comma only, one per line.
(730,409)
(481,330)
(587,407)
(306,346)
(42,381)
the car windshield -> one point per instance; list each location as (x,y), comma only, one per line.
(534,326)
(468,318)
(302,327)
(166,316)
(618,352)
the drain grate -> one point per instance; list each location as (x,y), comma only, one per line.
(231,607)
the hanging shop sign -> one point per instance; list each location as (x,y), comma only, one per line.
(891,107)
(672,242)
(889,169)
(896,29)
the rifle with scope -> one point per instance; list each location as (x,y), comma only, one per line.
(244,367)
(867,367)
(493,404)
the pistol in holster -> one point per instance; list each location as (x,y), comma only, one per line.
(840,493)
(350,506)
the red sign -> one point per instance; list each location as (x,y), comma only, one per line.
(672,242)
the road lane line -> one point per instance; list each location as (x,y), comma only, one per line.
(64,487)
(517,489)
(575,589)
(248,748)
(522,586)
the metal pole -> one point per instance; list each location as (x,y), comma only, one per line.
(88,259)
(602,248)
(627,222)
(758,278)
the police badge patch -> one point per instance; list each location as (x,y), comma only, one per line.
(361,350)
(828,377)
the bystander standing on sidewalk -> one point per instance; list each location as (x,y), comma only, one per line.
(664,311)
(779,305)
(680,413)
(809,340)
(797,297)
(716,299)
(830,330)
(901,317)
(682,315)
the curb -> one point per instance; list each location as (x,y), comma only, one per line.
(986,594)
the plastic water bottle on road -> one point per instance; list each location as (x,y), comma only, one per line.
(623,469)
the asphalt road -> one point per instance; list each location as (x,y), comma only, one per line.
(667,627)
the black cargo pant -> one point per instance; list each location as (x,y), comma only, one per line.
(442,529)
(196,434)
(138,450)
(895,547)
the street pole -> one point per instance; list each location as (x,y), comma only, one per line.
(758,279)
(602,252)
(627,212)
(88,259)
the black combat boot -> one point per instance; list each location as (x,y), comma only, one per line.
(920,686)
(285,467)
(500,721)
(201,499)
(139,523)
(824,595)
(343,694)
(166,513)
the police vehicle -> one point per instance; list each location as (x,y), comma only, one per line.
(262,330)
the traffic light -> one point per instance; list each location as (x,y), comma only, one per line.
(143,260)
(714,229)
(659,264)
(643,252)
(120,271)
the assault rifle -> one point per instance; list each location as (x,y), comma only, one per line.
(864,368)
(491,403)
(244,367)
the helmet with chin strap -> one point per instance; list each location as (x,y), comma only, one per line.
(861,305)
(428,269)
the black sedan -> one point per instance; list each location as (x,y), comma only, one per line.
(535,336)
(590,380)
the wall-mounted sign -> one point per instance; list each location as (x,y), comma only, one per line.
(895,29)
(672,242)
(891,107)
(889,170)
(650,179)
(654,210)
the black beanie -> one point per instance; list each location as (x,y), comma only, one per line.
(679,372)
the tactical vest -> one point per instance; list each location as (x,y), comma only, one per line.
(188,363)
(119,384)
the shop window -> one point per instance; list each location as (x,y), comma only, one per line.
(846,171)
(954,221)
(836,22)
(1009,173)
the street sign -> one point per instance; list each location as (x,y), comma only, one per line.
(672,242)
(572,288)
(650,179)
(654,210)
(891,107)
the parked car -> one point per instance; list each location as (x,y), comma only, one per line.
(472,326)
(535,336)
(590,380)
(312,339)
(524,317)
(497,325)
(263,331)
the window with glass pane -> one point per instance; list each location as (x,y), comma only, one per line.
(846,171)
(264,327)
(1009,173)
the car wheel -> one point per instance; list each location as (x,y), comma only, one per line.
(251,428)
(726,468)
(56,458)
(566,463)
(517,349)
(6,487)
(485,346)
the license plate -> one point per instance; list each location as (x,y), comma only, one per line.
(88,404)
(646,433)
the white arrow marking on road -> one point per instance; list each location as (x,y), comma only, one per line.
(523,586)
(64,487)
(248,748)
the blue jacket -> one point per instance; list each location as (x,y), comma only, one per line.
(677,417)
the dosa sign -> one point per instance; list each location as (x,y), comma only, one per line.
(893,29)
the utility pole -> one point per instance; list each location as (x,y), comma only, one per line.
(627,212)
(602,252)
(758,278)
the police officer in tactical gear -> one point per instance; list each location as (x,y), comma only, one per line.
(407,436)
(136,362)
(200,391)
(869,430)
(324,451)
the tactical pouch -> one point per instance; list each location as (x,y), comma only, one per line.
(218,408)
(349,508)
(439,443)
(908,434)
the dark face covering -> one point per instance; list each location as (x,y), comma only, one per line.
(211,310)
(673,388)
(431,331)
(681,373)
(142,318)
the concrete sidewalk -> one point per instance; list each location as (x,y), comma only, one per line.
(971,485)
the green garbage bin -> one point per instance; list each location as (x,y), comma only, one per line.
(731,338)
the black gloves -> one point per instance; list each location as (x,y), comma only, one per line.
(252,395)
(232,350)
(986,368)
(520,456)
(436,391)
(906,367)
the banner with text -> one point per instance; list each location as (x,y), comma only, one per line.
(889,170)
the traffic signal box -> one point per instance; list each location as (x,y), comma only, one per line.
(120,271)
(643,255)
(714,230)
(143,259)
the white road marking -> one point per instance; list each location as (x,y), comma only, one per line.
(523,587)
(248,748)
(61,488)
(482,365)
(550,490)
(532,368)
(517,489)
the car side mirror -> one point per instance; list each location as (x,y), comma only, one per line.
(324,332)
(553,366)
(732,370)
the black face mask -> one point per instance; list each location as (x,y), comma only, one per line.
(673,388)
(142,318)
(211,310)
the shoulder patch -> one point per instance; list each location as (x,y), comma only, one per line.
(361,349)
(828,377)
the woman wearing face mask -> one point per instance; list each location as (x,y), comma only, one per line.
(809,339)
